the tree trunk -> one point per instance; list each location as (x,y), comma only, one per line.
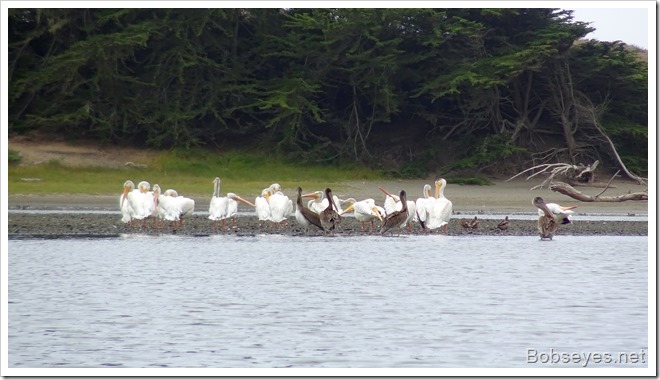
(566,189)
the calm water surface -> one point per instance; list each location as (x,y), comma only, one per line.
(279,301)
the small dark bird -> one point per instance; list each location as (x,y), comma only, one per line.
(305,216)
(470,224)
(330,219)
(397,218)
(503,225)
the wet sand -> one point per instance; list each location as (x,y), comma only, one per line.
(99,216)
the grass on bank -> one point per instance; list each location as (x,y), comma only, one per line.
(190,173)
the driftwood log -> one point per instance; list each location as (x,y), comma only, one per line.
(566,189)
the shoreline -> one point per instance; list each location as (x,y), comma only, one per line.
(84,215)
(26,225)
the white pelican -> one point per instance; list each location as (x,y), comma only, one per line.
(364,211)
(125,205)
(330,219)
(397,218)
(262,206)
(551,215)
(422,205)
(281,206)
(140,200)
(440,211)
(305,216)
(232,206)
(224,207)
(165,207)
(187,205)
(393,203)
(319,202)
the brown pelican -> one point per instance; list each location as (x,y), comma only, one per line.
(394,203)
(364,211)
(305,216)
(551,215)
(330,219)
(397,218)
(470,224)
(319,202)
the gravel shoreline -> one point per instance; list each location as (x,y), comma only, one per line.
(88,216)
(87,225)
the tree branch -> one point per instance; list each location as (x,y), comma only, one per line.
(566,189)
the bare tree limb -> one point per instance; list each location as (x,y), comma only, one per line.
(608,184)
(566,189)
(555,170)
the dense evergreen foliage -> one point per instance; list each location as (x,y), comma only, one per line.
(407,89)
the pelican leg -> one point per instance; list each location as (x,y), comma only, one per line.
(446,228)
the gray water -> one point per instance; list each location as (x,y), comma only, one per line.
(278,301)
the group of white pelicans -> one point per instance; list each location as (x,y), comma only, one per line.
(323,211)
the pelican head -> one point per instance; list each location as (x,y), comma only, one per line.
(328,194)
(238,198)
(144,186)
(275,188)
(402,195)
(396,198)
(128,187)
(426,192)
(440,185)
(316,195)
(266,193)
(347,209)
(171,193)
(540,203)
(216,187)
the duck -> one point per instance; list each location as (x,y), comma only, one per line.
(470,224)
(503,225)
